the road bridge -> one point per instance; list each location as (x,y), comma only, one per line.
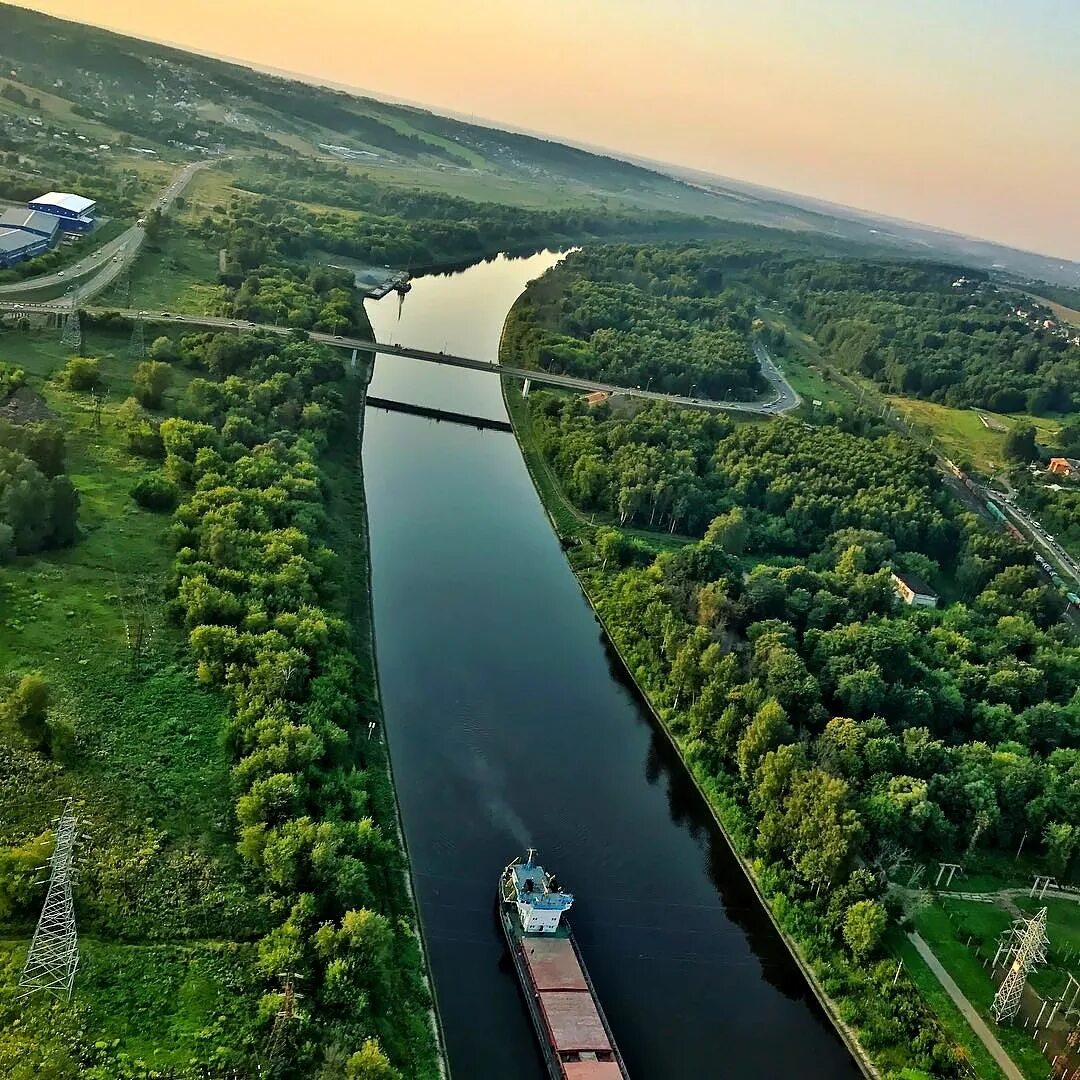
(786,398)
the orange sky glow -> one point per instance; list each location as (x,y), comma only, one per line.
(958,114)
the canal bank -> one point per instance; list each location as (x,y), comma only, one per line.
(558,508)
(351,516)
(511,723)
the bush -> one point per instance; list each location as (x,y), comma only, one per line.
(151,380)
(156,492)
(81,373)
(27,707)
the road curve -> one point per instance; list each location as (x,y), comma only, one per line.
(111,259)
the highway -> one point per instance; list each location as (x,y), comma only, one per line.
(1040,538)
(104,265)
(785,400)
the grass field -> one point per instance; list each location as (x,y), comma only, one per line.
(175,273)
(163,906)
(961,436)
(983,922)
(952,1020)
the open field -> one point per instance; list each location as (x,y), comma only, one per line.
(1065,314)
(952,1020)
(161,895)
(961,436)
(983,922)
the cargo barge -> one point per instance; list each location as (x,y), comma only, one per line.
(574,1034)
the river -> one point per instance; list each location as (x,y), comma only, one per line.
(510,724)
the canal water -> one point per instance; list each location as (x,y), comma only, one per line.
(511,724)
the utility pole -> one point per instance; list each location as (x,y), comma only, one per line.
(71,333)
(282,1019)
(54,949)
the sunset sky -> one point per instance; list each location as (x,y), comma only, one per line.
(958,113)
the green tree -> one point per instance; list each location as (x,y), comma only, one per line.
(370,1063)
(27,707)
(729,531)
(864,925)
(1061,840)
(81,373)
(151,379)
(1020,443)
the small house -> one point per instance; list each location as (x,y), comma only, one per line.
(913,590)
(1063,466)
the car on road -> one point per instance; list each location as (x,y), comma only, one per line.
(166,315)
(59,273)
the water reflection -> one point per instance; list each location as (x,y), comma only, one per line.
(510,722)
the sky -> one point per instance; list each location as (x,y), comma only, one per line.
(955,113)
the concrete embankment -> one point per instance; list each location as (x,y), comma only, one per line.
(845,1032)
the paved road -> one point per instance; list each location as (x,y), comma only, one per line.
(1041,539)
(110,260)
(1005,1063)
(786,397)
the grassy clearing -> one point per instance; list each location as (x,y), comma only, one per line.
(177,273)
(148,769)
(482,186)
(962,436)
(952,1020)
(983,922)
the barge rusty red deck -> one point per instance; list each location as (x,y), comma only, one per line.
(572,1028)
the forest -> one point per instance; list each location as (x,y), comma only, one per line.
(643,315)
(836,730)
(237,824)
(942,333)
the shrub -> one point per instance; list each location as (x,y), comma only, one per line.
(81,373)
(151,381)
(27,707)
(156,492)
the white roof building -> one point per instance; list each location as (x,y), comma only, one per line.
(63,202)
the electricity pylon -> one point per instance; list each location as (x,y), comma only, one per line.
(71,335)
(137,346)
(279,1034)
(54,950)
(1025,948)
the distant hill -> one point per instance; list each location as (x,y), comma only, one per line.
(162,96)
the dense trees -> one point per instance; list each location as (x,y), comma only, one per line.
(38,504)
(831,725)
(642,316)
(254,587)
(932,331)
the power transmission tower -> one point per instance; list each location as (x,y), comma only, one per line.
(137,347)
(54,950)
(1025,946)
(282,1020)
(71,334)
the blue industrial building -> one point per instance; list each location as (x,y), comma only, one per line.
(18,245)
(35,230)
(74,213)
(33,222)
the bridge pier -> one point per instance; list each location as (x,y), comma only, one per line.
(354,359)
(525,387)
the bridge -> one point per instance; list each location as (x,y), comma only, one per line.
(786,398)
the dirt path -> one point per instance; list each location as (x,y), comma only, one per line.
(965,1006)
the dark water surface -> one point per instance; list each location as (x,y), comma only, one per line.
(511,724)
